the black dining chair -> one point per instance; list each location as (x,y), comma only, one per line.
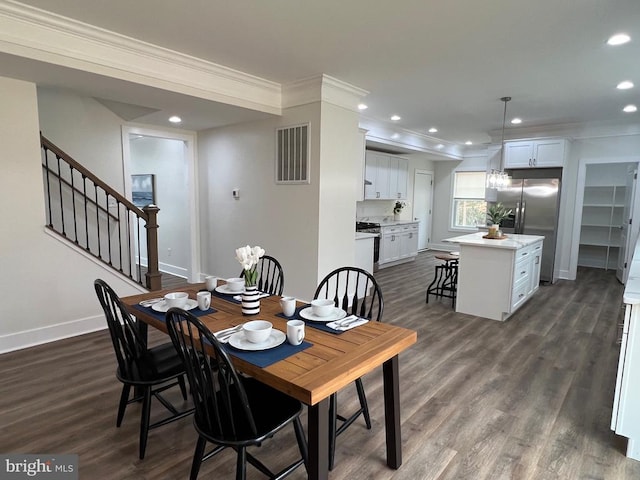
(149,370)
(232,410)
(270,275)
(355,291)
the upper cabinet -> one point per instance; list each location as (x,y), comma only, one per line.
(535,153)
(387,175)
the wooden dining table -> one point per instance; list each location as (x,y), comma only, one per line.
(315,373)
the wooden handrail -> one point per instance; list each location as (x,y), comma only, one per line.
(80,192)
(107,188)
(118,241)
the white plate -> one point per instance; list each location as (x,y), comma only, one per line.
(338,313)
(162,306)
(224,289)
(239,341)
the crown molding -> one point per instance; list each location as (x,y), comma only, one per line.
(44,36)
(322,88)
(571,130)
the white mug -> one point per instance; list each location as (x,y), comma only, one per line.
(295,332)
(204,300)
(288,305)
(211,282)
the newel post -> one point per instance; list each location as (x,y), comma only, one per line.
(153,275)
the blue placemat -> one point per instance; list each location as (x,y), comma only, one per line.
(264,358)
(228,298)
(161,316)
(316,325)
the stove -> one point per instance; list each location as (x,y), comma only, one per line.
(368,227)
(371,227)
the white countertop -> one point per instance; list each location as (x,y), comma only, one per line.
(512,242)
(399,222)
(632,287)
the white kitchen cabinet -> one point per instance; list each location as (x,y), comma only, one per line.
(377,172)
(360,187)
(409,240)
(535,153)
(388,175)
(398,175)
(496,277)
(625,416)
(399,244)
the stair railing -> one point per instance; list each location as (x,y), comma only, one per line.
(88,212)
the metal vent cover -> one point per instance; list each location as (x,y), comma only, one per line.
(292,154)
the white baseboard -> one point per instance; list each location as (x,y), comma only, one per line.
(51,333)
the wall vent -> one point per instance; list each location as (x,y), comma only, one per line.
(292,154)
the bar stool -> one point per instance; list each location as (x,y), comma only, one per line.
(445,282)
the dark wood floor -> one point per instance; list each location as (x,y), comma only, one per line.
(526,399)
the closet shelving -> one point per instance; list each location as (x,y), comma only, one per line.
(602,216)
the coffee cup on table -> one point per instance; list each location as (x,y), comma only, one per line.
(295,332)
(204,300)
(211,282)
(288,305)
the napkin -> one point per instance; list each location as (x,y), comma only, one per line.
(347,323)
(223,336)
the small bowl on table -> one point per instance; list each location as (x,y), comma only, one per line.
(176,299)
(322,307)
(235,285)
(257,331)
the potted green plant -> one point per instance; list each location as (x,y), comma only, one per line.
(496,213)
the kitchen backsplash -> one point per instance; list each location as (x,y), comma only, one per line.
(375,210)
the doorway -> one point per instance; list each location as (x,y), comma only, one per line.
(422,201)
(169,159)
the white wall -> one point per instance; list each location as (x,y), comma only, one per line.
(84,129)
(47,286)
(283,219)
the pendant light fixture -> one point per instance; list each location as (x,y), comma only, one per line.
(499,178)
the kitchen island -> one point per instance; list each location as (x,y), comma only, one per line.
(496,277)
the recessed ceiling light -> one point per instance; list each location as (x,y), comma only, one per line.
(395,118)
(516,121)
(362,106)
(618,39)
(175,119)
(433,130)
(468,142)
(395,136)
(630,109)
(440,145)
(626,85)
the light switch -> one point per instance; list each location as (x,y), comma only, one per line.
(236,193)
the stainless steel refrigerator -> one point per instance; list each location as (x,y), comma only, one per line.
(534,198)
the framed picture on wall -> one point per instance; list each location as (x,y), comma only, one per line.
(143,189)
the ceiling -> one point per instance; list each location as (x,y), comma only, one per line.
(441,64)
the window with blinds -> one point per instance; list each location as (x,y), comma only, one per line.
(469,206)
(292,154)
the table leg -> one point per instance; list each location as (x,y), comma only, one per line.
(391,379)
(318,426)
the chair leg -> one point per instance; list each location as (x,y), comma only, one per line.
(302,441)
(183,386)
(197,458)
(363,403)
(124,399)
(333,426)
(144,420)
(241,464)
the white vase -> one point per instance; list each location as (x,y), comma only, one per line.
(250,300)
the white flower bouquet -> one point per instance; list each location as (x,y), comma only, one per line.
(249,258)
